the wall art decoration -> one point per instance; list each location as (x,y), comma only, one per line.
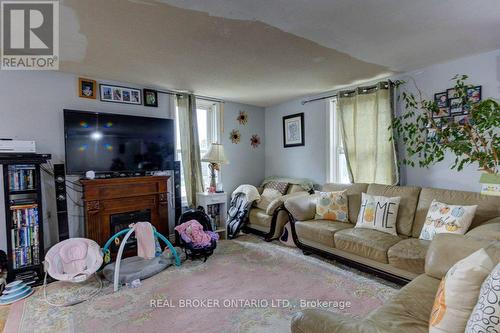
(293,130)
(235,136)
(242,118)
(119,94)
(87,88)
(255,141)
(150,97)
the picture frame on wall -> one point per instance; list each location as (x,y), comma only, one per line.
(456,106)
(87,88)
(119,94)
(150,97)
(441,99)
(293,130)
(474,94)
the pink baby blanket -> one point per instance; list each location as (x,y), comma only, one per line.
(192,232)
(146,244)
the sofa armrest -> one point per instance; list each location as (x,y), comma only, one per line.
(320,321)
(490,230)
(447,249)
(302,208)
(278,202)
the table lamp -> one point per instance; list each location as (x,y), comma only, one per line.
(215,156)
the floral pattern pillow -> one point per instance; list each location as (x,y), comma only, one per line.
(444,218)
(332,206)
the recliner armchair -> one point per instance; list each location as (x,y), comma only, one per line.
(270,222)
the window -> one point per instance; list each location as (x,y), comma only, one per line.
(207,114)
(336,161)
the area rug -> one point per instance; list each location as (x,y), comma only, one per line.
(247,286)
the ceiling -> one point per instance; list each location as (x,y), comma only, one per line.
(264,52)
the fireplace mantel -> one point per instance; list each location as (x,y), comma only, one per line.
(105,197)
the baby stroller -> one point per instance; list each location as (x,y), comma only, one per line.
(193,252)
(238,211)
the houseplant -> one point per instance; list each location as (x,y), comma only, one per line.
(472,138)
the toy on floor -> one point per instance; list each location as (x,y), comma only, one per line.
(196,234)
(149,261)
(15,291)
(73,260)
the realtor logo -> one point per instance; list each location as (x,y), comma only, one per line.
(30,35)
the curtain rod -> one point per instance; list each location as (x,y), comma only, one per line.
(176,93)
(349,90)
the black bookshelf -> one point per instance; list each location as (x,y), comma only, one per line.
(24,215)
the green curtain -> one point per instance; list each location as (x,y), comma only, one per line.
(365,115)
(190,146)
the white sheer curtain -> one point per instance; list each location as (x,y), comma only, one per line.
(365,115)
(190,146)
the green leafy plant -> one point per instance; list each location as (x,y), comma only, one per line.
(473,140)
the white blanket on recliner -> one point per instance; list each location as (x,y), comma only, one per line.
(250,191)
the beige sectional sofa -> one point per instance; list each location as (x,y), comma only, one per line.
(399,258)
(269,222)
(409,310)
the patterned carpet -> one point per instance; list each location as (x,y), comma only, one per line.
(247,286)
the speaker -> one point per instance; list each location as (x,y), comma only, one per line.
(61,201)
(177,191)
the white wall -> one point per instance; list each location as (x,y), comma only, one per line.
(32,104)
(309,161)
(31,108)
(246,163)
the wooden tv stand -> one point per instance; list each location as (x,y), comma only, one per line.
(106,198)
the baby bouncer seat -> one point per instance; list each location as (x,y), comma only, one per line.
(73,260)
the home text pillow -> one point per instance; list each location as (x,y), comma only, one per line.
(444,218)
(379,213)
(458,293)
(332,206)
(485,316)
(272,190)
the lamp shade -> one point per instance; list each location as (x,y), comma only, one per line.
(215,154)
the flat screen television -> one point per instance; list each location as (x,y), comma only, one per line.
(113,143)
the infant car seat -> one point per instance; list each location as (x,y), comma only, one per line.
(73,260)
(202,218)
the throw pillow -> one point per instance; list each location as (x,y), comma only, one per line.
(267,196)
(485,316)
(458,293)
(332,206)
(379,213)
(444,218)
(278,186)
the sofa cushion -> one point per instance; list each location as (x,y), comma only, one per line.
(409,198)
(409,254)
(320,231)
(409,310)
(259,217)
(353,196)
(372,244)
(268,196)
(488,206)
(489,231)
(292,188)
